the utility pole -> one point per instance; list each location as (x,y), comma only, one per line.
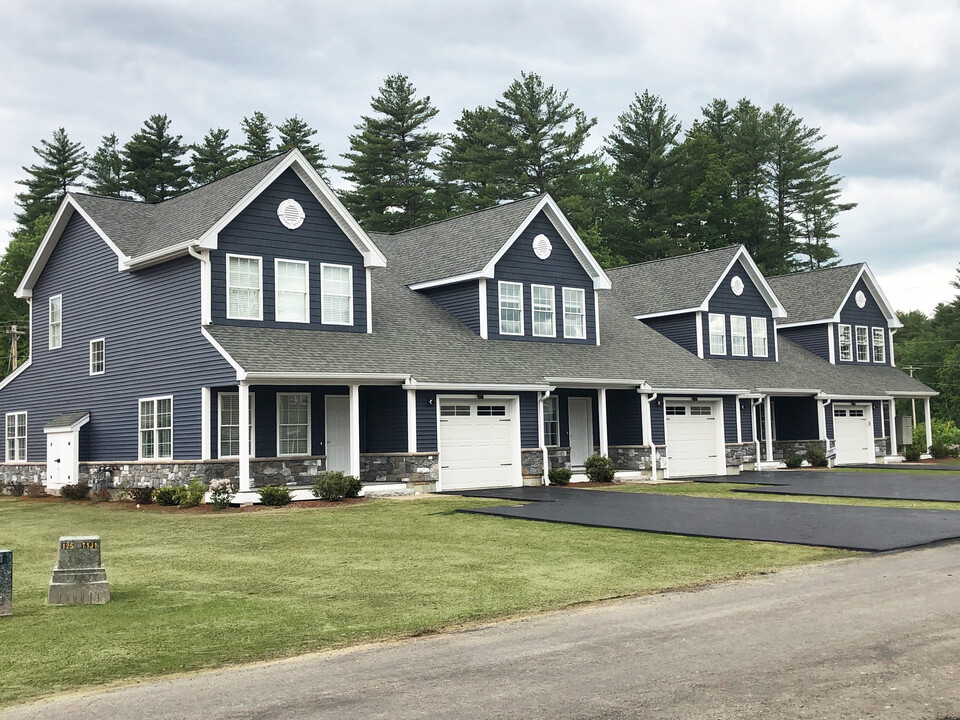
(15,335)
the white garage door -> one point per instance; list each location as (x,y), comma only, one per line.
(853,433)
(477,448)
(692,439)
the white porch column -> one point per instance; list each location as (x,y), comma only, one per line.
(822,419)
(205,423)
(602,412)
(893,427)
(646,427)
(411,420)
(768,426)
(927,423)
(244,449)
(355,430)
(542,437)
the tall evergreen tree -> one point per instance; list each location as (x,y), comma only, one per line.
(214,157)
(105,169)
(389,161)
(295,133)
(258,143)
(62,165)
(152,161)
(472,164)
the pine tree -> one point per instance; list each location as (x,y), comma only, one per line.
(472,164)
(258,132)
(295,133)
(62,166)
(151,161)
(214,157)
(105,169)
(389,160)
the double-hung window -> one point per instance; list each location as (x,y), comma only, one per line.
(758,326)
(230,424)
(16,437)
(846,342)
(544,315)
(879,347)
(156,428)
(863,347)
(551,421)
(98,356)
(738,335)
(336,299)
(574,313)
(293,423)
(511,307)
(55,333)
(244,288)
(292,290)
(718,334)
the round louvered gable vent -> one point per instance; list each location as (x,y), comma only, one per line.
(291,214)
(736,285)
(542,247)
(861,299)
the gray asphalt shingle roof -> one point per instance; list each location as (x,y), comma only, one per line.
(814,295)
(670,284)
(65,420)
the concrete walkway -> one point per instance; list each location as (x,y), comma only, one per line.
(873,637)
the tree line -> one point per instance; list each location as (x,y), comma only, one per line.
(738,174)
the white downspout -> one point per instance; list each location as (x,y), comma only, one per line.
(647,427)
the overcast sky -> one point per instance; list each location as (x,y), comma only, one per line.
(881,79)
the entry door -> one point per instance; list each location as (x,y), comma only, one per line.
(580,411)
(337,427)
(62,459)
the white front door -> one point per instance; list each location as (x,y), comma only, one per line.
(580,411)
(337,427)
(853,434)
(479,443)
(62,460)
(693,431)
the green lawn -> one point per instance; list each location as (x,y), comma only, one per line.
(199,591)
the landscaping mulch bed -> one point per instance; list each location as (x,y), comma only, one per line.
(130,506)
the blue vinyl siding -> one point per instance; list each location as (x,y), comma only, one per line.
(462,300)
(729,419)
(746,426)
(877,424)
(150,320)
(657,428)
(828,417)
(257,232)
(812,338)
(561,269)
(682,329)
(624,417)
(427,418)
(796,418)
(383,419)
(748,304)
(870,316)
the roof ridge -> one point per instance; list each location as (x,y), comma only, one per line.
(464,215)
(798,273)
(673,257)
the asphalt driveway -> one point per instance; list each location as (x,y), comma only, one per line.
(882,485)
(838,526)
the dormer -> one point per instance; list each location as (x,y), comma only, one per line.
(840,314)
(716,304)
(517,271)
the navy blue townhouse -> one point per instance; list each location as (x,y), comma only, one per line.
(251,329)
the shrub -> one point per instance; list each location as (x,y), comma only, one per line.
(793,462)
(911,452)
(943,431)
(559,476)
(101,495)
(141,495)
(334,485)
(192,495)
(35,490)
(167,496)
(275,496)
(220,493)
(599,468)
(816,456)
(940,449)
(16,487)
(78,491)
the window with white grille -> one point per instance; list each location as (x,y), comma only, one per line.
(244,288)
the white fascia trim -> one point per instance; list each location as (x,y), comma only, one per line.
(158,256)
(372,257)
(885,307)
(241,373)
(449,281)
(49,242)
(479,387)
(595,382)
(912,393)
(282,378)
(15,374)
(567,234)
(647,316)
(773,302)
(700,391)
(369,301)
(806,322)
(856,398)
(790,391)
(831,353)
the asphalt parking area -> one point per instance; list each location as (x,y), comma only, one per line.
(882,485)
(838,526)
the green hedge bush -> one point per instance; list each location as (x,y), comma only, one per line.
(911,452)
(793,462)
(334,485)
(599,468)
(167,496)
(816,456)
(192,495)
(275,496)
(78,491)
(560,476)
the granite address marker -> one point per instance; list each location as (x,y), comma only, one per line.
(79,577)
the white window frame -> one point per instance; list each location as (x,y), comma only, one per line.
(155,429)
(759,339)
(553,309)
(309,397)
(848,356)
(55,341)
(103,356)
(13,454)
(323,295)
(500,286)
(583,313)
(554,402)
(879,343)
(719,347)
(220,425)
(865,344)
(734,335)
(277,289)
(230,315)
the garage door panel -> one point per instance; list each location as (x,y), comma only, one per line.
(477,447)
(853,434)
(691,439)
